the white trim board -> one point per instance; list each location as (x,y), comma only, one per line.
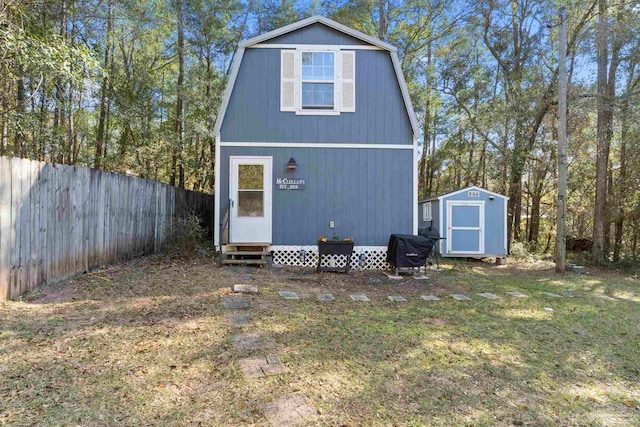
(312,20)
(462,190)
(336,26)
(416,220)
(317,145)
(313,46)
(216,209)
(285,247)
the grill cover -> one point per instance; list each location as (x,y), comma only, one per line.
(406,250)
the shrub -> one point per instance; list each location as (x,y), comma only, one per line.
(187,237)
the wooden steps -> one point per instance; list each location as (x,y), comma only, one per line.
(245,254)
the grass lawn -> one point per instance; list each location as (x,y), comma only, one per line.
(149,343)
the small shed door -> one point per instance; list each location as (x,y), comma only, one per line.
(465,227)
(250,186)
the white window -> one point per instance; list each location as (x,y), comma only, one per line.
(318,78)
(426,211)
(317,82)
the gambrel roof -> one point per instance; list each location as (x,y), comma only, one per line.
(336,26)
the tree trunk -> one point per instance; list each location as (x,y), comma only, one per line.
(603,132)
(179,125)
(104,91)
(426,130)
(381,19)
(622,178)
(19,140)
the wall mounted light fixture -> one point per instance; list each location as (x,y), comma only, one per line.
(292,164)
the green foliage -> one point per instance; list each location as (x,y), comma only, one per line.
(95,83)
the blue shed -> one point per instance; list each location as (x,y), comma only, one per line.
(316,136)
(472,220)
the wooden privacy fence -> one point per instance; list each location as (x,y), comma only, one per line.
(57,220)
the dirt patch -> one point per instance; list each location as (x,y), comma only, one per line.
(435,321)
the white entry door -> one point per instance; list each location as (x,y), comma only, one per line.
(250,183)
(465,227)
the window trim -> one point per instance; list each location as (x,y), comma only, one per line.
(337,81)
(425,217)
(333,81)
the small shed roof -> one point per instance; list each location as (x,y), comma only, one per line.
(454,192)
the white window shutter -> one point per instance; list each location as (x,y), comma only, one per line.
(288,80)
(348,82)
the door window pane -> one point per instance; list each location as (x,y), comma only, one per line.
(251,203)
(250,177)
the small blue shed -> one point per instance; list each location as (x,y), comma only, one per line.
(315,136)
(472,220)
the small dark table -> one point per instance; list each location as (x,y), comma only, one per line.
(335,247)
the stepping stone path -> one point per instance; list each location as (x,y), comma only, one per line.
(288,295)
(430,298)
(326,297)
(258,367)
(516,294)
(552,295)
(396,298)
(240,320)
(247,341)
(460,297)
(359,298)
(245,289)
(288,411)
(236,303)
(488,295)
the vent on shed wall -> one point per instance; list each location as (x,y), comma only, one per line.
(473,193)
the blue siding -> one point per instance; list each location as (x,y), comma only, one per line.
(253,113)
(368,193)
(494,226)
(316,34)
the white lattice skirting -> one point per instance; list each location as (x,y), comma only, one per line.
(363,257)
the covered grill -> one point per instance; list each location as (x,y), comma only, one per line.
(408,251)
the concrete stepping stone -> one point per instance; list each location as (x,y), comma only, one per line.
(326,297)
(288,295)
(552,295)
(396,298)
(488,295)
(359,298)
(247,341)
(236,303)
(240,320)
(288,411)
(549,309)
(245,289)
(460,297)
(421,277)
(516,294)
(393,276)
(429,297)
(263,366)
